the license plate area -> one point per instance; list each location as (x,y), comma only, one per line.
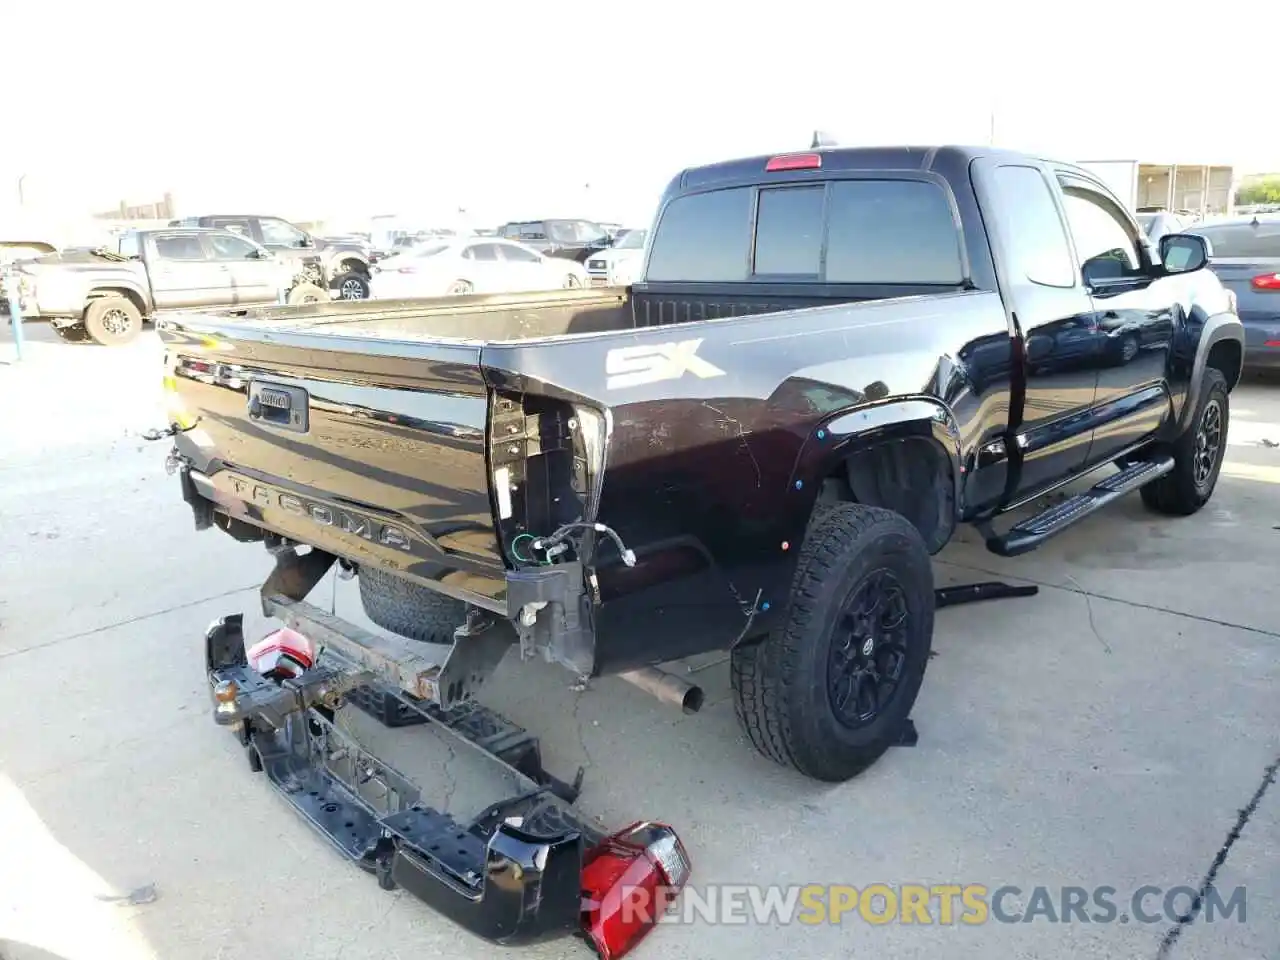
(279,405)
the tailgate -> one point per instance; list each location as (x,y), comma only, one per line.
(373,449)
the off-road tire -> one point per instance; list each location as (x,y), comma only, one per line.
(307,293)
(1178,493)
(352,283)
(780,684)
(75,333)
(408,608)
(112,321)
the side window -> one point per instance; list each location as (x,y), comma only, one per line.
(184,246)
(277,233)
(227,247)
(511,231)
(532,231)
(891,231)
(127,245)
(1106,248)
(703,238)
(1035,237)
(789,232)
(234,224)
(515,254)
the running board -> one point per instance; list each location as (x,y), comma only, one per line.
(1028,534)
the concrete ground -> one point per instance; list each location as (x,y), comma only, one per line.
(1108,732)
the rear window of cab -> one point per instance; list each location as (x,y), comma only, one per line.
(838,231)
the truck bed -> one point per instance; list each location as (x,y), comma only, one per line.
(428,438)
(507,317)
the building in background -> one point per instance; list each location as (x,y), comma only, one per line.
(1198,188)
(162,209)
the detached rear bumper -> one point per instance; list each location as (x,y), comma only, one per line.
(511,876)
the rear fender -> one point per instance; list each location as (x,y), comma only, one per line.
(130,291)
(833,441)
(823,455)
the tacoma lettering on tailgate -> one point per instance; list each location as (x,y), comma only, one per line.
(346,520)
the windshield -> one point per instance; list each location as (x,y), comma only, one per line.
(632,240)
(575,231)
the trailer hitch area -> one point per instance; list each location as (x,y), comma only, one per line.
(241,693)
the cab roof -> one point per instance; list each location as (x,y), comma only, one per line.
(841,159)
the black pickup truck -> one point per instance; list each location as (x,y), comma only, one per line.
(833,359)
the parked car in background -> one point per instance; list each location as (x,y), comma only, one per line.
(474,265)
(344,265)
(567,239)
(1156,223)
(620,264)
(105,294)
(1245,254)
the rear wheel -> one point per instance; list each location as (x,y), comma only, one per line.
(830,689)
(408,608)
(1197,454)
(112,321)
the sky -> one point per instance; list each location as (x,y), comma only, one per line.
(514,109)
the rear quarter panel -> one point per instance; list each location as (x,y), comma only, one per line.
(714,464)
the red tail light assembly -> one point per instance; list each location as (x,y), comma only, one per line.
(1267,281)
(629,880)
(794,161)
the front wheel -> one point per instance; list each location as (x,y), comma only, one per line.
(352,286)
(830,689)
(1197,454)
(459,288)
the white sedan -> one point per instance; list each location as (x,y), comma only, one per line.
(473,265)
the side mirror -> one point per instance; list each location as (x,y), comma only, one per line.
(261,255)
(1184,252)
(306,242)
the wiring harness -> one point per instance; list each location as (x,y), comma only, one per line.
(557,543)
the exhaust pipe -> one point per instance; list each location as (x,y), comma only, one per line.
(666,687)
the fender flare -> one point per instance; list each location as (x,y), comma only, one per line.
(98,290)
(1217,328)
(336,259)
(837,436)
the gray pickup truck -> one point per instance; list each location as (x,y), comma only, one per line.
(345,265)
(105,294)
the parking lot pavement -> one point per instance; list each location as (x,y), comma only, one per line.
(1107,732)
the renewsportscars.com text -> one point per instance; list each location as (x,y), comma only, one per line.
(936,904)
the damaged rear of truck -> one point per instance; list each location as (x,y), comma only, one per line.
(833,360)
